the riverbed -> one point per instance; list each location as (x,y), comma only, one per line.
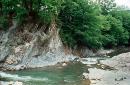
(84,71)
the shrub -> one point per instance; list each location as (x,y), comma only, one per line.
(4,24)
(80,24)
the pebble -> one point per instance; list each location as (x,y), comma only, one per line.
(64,64)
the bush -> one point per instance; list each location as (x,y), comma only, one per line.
(43,10)
(116,34)
(4,24)
(80,24)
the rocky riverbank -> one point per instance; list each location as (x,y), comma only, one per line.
(31,46)
(27,47)
(118,75)
(120,62)
(89,71)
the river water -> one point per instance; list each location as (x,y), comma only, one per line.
(54,75)
(89,72)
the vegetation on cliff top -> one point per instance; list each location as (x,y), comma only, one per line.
(81,22)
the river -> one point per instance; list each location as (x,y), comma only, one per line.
(74,73)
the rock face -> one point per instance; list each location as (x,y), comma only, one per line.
(117,71)
(121,61)
(31,47)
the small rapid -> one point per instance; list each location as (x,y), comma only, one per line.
(16,77)
(84,71)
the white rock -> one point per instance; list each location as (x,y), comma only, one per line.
(18,83)
(64,64)
(10,83)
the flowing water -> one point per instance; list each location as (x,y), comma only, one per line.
(71,74)
(57,75)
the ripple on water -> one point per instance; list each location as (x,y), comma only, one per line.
(72,74)
(21,78)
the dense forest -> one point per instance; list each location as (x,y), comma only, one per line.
(92,23)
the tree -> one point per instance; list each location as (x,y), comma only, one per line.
(115,34)
(106,5)
(80,24)
(124,17)
(42,10)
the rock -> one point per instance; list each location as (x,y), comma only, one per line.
(64,64)
(85,82)
(88,52)
(10,60)
(121,61)
(107,77)
(10,83)
(103,52)
(18,83)
(17,49)
(85,75)
(38,50)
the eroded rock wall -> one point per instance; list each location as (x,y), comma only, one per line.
(31,47)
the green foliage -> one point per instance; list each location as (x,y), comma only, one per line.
(49,10)
(79,24)
(124,17)
(106,5)
(3,23)
(83,23)
(44,10)
(115,33)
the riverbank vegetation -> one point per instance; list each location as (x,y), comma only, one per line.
(90,23)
